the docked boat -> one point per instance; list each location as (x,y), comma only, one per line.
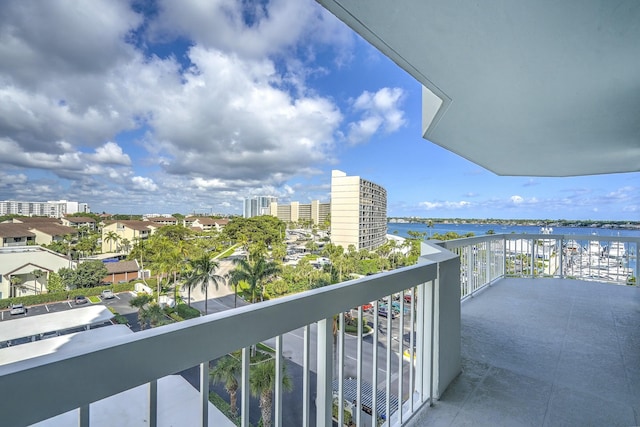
(617,250)
(594,248)
(572,247)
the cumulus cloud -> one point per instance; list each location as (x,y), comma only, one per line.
(143,183)
(231,121)
(379,111)
(111,153)
(516,200)
(248,28)
(445,205)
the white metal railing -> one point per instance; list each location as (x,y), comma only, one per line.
(32,387)
(587,257)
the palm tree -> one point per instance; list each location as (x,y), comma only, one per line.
(255,273)
(110,238)
(227,371)
(203,273)
(126,245)
(37,273)
(16,282)
(262,381)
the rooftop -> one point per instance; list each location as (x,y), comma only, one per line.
(546,352)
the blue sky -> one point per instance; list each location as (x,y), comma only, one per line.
(190,106)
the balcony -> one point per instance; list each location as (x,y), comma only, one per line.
(541,341)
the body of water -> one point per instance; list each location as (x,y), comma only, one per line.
(481,229)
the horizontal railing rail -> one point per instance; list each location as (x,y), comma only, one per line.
(484,259)
(33,386)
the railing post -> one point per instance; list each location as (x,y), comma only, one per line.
(278,387)
(244,404)
(83,416)
(204,394)
(153,403)
(324,392)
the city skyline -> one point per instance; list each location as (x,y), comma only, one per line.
(159,107)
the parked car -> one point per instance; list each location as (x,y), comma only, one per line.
(384,311)
(107,294)
(80,299)
(367,307)
(18,309)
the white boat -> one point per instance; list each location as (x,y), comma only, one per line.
(594,248)
(572,247)
(617,250)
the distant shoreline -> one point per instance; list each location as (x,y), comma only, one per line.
(611,225)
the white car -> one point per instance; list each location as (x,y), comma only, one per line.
(18,309)
(107,294)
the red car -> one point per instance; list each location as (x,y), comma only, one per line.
(367,307)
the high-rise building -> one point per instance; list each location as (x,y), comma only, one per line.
(53,209)
(358,212)
(257,205)
(314,211)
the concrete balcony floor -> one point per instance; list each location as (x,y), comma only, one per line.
(546,352)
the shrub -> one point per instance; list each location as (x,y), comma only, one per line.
(63,296)
(120,319)
(186,312)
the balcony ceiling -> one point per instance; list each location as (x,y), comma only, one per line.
(535,88)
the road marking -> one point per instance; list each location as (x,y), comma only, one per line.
(47,307)
(69,302)
(116,295)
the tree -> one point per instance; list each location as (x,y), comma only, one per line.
(37,274)
(16,282)
(54,284)
(126,245)
(88,274)
(203,274)
(262,381)
(227,371)
(255,273)
(111,237)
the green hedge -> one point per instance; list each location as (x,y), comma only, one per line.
(64,296)
(187,312)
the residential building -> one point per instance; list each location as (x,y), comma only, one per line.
(122,271)
(257,205)
(162,220)
(16,235)
(128,231)
(204,223)
(35,232)
(49,233)
(24,262)
(54,209)
(79,221)
(358,212)
(315,211)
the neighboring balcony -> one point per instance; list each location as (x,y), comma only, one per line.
(539,338)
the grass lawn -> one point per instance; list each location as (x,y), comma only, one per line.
(94,299)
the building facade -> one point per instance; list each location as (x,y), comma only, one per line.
(257,205)
(315,211)
(358,212)
(54,209)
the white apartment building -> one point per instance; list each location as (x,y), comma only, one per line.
(358,212)
(257,205)
(53,209)
(294,212)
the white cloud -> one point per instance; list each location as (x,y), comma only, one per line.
(380,111)
(111,153)
(516,200)
(143,183)
(445,205)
